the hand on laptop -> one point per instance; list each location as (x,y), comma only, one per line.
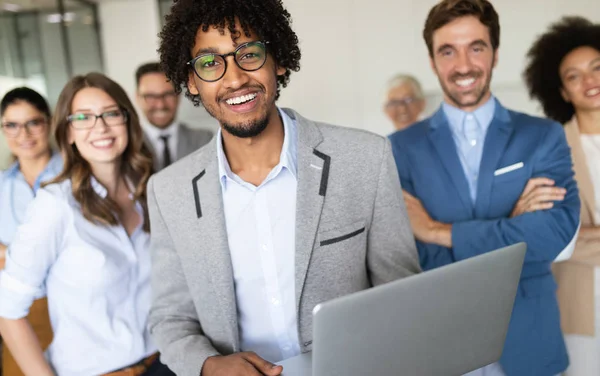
(539,194)
(240,364)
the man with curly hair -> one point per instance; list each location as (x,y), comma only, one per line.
(275,215)
(478,177)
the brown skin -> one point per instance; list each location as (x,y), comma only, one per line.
(251,158)
(580,76)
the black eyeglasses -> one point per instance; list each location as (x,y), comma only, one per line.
(211,67)
(34,127)
(111,118)
(152,98)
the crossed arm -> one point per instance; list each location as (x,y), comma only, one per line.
(546,216)
(539,194)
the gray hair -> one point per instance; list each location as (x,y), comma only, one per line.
(402,79)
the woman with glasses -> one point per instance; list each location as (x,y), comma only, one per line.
(85,241)
(25,119)
(564,75)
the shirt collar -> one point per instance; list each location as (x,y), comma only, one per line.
(484,115)
(13,170)
(155,133)
(287,158)
(103,192)
(54,167)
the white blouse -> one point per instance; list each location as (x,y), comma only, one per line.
(96,279)
(591,147)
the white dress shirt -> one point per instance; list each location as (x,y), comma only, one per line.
(154,135)
(591,148)
(261,227)
(96,278)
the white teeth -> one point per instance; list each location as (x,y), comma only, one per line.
(465,82)
(103,143)
(592,92)
(241,99)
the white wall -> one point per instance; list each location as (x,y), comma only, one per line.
(129,35)
(350,48)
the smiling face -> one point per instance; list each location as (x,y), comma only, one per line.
(580,75)
(157,99)
(241,101)
(100,144)
(30,142)
(403,105)
(463,60)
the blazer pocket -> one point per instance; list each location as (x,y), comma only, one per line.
(342,233)
(511,175)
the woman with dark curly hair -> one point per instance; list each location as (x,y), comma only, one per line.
(277,214)
(564,75)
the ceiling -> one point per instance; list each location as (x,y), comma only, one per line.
(32,5)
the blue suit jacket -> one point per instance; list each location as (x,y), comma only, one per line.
(430,169)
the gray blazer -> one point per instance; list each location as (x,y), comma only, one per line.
(352,232)
(188,141)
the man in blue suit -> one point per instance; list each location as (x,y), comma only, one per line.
(478,177)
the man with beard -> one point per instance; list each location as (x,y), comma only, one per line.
(276,215)
(477,177)
(168,139)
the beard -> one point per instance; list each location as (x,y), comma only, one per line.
(248,129)
(472,97)
(245,129)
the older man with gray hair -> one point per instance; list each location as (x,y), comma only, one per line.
(404,101)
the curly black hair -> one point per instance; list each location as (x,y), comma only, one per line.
(545,56)
(268,19)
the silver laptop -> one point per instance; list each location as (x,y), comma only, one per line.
(444,322)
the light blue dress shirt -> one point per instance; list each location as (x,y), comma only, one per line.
(469,130)
(261,228)
(16,194)
(97,280)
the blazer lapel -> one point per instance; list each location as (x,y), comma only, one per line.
(496,140)
(313,175)
(183,141)
(216,259)
(441,138)
(582,172)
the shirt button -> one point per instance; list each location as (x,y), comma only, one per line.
(286,348)
(473,142)
(264,247)
(275,302)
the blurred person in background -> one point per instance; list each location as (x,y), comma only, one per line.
(404,102)
(25,123)
(169,139)
(563,73)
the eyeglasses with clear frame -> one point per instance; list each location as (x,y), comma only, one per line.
(111,118)
(211,67)
(404,102)
(33,127)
